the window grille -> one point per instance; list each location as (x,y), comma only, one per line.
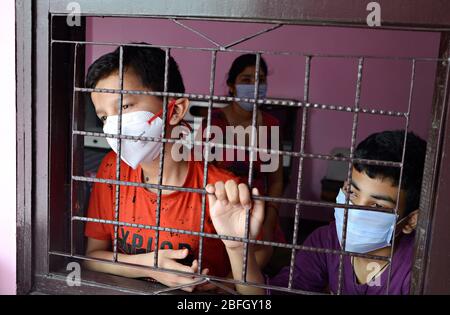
(356,109)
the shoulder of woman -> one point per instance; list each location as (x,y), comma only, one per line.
(269,119)
(218,114)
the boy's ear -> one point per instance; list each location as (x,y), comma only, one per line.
(411,223)
(180,109)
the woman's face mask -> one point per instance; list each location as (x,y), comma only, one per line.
(142,124)
(248,91)
(366,230)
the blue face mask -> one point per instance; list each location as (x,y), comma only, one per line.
(248,91)
(366,230)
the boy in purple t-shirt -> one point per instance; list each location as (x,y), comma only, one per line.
(368,231)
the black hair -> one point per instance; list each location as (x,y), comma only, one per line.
(147,62)
(242,62)
(388,146)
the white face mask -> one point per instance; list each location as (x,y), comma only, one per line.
(366,230)
(137,123)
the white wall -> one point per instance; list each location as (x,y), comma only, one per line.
(8,148)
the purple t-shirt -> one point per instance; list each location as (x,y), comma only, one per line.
(318,272)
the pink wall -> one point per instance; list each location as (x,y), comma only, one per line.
(8,140)
(385,83)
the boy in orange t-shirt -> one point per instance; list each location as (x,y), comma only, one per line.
(144,71)
(179,210)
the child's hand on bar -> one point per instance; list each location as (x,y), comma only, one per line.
(169,259)
(228,204)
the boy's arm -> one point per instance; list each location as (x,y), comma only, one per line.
(275,189)
(253,271)
(228,203)
(167,259)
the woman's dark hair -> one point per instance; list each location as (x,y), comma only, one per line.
(242,62)
(147,62)
(388,146)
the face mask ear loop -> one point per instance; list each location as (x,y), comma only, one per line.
(170,107)
(400,225)
(187,125)
(345,195)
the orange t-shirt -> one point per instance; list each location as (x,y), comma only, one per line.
(180,210)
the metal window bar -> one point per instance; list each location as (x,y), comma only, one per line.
(246,51)
(273,102)
(252,36)
(119,150)
(230,238)
(411,92)
(350,166)
(300,168)
(209,39)
(230,146)
(250,169)
(224,47)
(72,188)
(202,191)
(210,279)
(205,165)
(211,97)
(161,154)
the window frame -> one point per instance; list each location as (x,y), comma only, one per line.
(33,143)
